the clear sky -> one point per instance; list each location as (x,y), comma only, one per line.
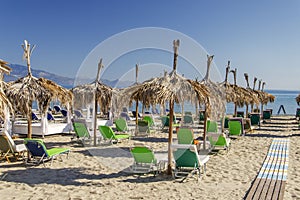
(260,37)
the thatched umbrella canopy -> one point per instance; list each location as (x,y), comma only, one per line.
(85,95)
(24,91)
(173,88)
(95,93)
(268,98)
(263,96)
(215,109)
(238,95)
(123,96)
(5,105)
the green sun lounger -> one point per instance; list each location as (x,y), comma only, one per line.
(144,160)
(187,161)
(81,133)
(39,153)
(109,135)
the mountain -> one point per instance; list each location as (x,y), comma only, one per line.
(19,71)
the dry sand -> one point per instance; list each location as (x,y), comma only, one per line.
(100,172)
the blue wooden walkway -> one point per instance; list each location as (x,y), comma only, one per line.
(271,179)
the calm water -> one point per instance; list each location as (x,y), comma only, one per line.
(282,97)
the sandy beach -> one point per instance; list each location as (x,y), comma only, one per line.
(100,172)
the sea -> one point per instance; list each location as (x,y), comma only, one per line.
(283,98)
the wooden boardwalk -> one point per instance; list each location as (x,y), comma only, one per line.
(271,179)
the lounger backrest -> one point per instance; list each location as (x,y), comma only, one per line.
(36,147)
(78,114)
(57,108)
(185,136)
(212,126)
(4,144)
(165,120)
(235,127)
(10,140)
(188,119)
(142,155)
(149,119)
(185,158)
(143,126)
(80,130)
(121,124)
(106,132)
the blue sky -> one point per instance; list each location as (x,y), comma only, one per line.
(260,37)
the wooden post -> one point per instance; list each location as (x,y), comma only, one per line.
(171,106)
(136,111)
(29,121)
(175,47)
(100,66)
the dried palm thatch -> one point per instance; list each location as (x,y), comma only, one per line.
(24,91)
(85,95)
(64,95)
(5,105)
(244,96)
(171,87)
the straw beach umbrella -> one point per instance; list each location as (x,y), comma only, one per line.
(215,109)
(244,96)
(5,105)
(24,91)
(171,88)
(95,93)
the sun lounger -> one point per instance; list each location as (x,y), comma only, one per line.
(109,135)
(144,160)
(8,148)
(39,153)
(187,161)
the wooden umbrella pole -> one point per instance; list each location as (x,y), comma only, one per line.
(136,111)
(95,119)
(100,66)
(171,106)
(29,122)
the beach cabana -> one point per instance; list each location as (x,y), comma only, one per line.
(171,88)
(24,91)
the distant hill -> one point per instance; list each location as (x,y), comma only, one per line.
(19,71)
